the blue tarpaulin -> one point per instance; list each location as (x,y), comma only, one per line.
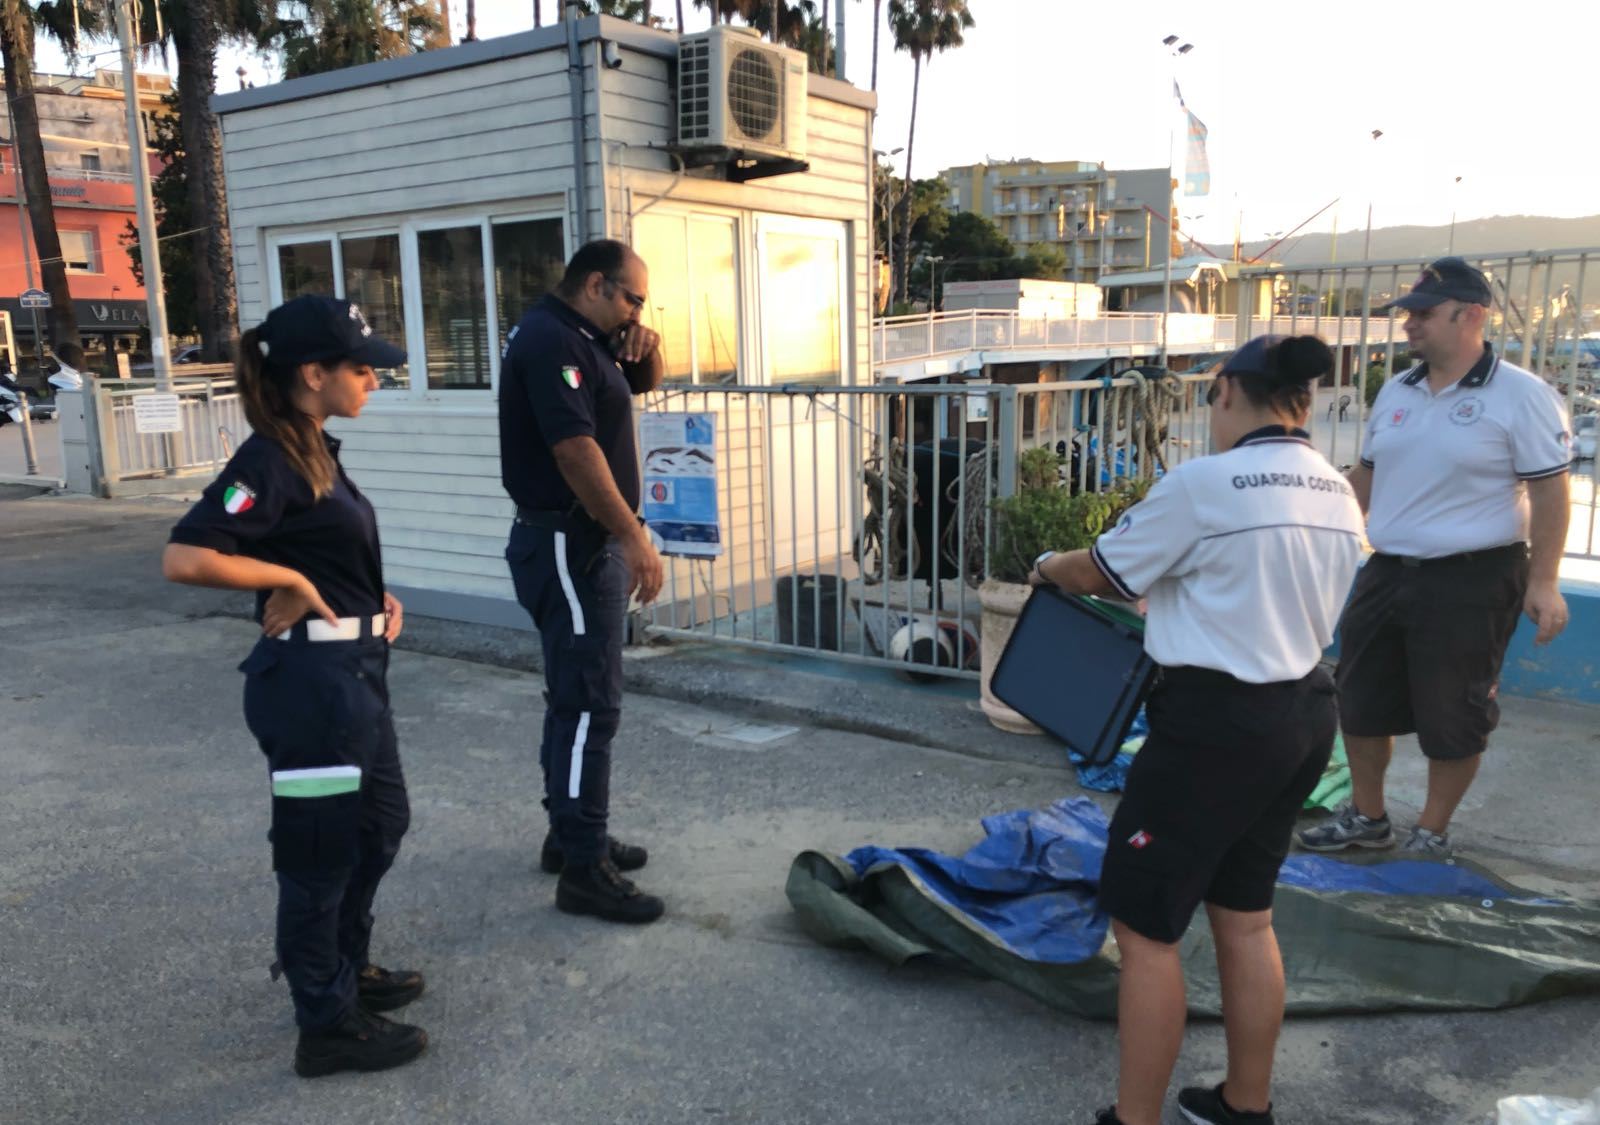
(1377,935)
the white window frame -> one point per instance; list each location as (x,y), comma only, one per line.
(505,219)
(826,228)
(418,392)
(740,224)
(93,239)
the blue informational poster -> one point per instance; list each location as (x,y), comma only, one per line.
(679,450)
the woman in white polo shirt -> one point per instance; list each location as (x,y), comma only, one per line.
(1245,557)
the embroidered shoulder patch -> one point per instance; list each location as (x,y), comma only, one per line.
(238,498)
(572,377)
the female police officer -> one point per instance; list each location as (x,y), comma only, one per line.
(284,520)
(1246,557)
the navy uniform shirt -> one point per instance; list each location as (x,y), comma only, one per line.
(261,508)
(559,380)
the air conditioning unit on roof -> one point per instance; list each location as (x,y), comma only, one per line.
(736,92)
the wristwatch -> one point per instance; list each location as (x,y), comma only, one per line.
(1038,563)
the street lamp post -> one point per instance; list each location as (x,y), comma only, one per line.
(888,211)
(1175,50)
(933,281)
(1366,250)
(1455,192)
(149,246)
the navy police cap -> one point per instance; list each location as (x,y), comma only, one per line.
(317,329)
(1448,279)
(1251,358)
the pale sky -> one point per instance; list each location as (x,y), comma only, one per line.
(1289,92)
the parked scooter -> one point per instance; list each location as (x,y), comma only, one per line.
(10,400)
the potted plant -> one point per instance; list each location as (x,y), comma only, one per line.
(1043,515)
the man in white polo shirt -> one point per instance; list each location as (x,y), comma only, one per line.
(1464,470)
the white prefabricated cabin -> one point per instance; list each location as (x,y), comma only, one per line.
(443,192)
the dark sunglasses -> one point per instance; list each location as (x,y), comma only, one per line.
(633,298)
(1435,310)
(1214,390)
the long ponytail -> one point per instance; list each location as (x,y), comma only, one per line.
(264,390)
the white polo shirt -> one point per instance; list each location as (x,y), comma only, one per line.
(1448,468)
(1246,556)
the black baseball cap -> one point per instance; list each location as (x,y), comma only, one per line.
(317,329)
(1448,279)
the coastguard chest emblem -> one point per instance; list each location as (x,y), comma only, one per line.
(1467,411)
(238,499)
(1398,417)
(572,377)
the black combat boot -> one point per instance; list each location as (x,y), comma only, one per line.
(627,857)
(359,1041)
(383,990)
(600,889)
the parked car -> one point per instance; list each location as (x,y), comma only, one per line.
(1585,428)
(184,353)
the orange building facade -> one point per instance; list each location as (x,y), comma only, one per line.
(84,127)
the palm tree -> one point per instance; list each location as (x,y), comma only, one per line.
(333,34)
(637,11)
(922,28)
(196,30)
(18,23)
(877,25)
(725,10)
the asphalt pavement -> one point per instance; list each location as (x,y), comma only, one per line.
(136,897)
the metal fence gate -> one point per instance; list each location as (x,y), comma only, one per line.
(858,522)
(119,460)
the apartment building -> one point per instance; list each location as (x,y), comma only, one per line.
(1103,220)
(83,123)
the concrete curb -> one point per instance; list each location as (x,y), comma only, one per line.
(854,699)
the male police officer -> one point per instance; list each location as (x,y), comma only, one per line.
(1465,462)
(577,549)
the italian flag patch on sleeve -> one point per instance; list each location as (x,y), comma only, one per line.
(238,498)
(572,377)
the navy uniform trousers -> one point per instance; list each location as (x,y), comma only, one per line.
(570,577)
(312,706)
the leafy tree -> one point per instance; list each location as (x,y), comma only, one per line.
(723,11)
(801,26)
(204,289)
(321,35)
(174,217)
(973,248)
(638,11)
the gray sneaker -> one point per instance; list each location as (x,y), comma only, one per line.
(1423,842)
(1347,828)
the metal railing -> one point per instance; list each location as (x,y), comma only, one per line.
(93,175)
(856,523)
(1137,425)
(1536,321)
(907,338)
(125,461)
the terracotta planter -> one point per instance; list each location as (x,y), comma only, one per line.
(1002,602)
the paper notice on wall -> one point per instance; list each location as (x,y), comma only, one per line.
(679,450)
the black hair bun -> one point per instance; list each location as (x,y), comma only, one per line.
(1302,359)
